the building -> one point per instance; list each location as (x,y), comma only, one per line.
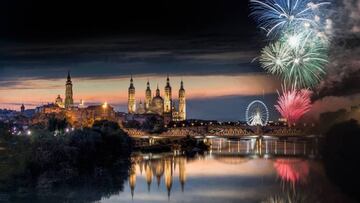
(77,116)
(157,104)
(131,98)
(59,101)
(69,101)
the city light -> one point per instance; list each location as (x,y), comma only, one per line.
(105,105)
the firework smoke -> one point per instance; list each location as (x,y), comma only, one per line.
(293,104)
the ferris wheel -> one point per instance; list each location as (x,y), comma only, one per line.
(257,113)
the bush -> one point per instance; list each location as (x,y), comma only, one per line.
(43,160)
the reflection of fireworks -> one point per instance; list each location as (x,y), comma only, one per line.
(293,104)
(293,171)
(274,15)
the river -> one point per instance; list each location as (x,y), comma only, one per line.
(232,171)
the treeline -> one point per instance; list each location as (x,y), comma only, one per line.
(48,165)
(152,124)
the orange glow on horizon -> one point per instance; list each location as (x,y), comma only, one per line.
(35,92)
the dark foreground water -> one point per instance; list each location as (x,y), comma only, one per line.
(270,170)
(233,171)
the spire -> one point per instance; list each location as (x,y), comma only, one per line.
(148,85)
(157,91)
(167,81)
(181,85)
(68,77)
(131,82)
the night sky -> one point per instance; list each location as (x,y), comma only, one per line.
(209,44)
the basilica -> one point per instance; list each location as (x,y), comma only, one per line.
(163,106)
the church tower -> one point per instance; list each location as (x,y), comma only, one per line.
(131,98)
(182,102)
(68,92)
(168,95)
(148,97)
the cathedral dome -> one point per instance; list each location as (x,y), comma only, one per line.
(157,105)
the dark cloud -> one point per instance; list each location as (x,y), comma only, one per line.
(206,55)
(343,77)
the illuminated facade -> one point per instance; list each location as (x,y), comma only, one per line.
(69,101)
(158,105)
(77,116)
(59,101)
(131,97)
(182,102)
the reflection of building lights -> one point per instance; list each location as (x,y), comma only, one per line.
(67,130)
(28,132)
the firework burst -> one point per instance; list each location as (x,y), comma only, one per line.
(306,67)
(275,15)
(296,58)
(275,58)
(293,104)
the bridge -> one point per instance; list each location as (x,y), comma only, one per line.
(219,131)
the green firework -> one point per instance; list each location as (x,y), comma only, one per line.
(299,59)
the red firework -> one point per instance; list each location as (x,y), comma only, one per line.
(293,104)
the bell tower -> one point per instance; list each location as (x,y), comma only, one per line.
(148,96)
(182,102)
(69,101)
(131,97)
(168,96)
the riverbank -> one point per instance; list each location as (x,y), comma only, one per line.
(187,145)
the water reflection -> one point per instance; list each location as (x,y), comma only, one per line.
(232,171)
(163,167)
(292,170)
(265,147)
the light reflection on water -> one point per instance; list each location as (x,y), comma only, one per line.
(232,171)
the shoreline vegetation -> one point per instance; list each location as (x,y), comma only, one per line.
(188,146)
(44,166)
(94,160)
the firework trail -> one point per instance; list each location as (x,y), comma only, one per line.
(293,104)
